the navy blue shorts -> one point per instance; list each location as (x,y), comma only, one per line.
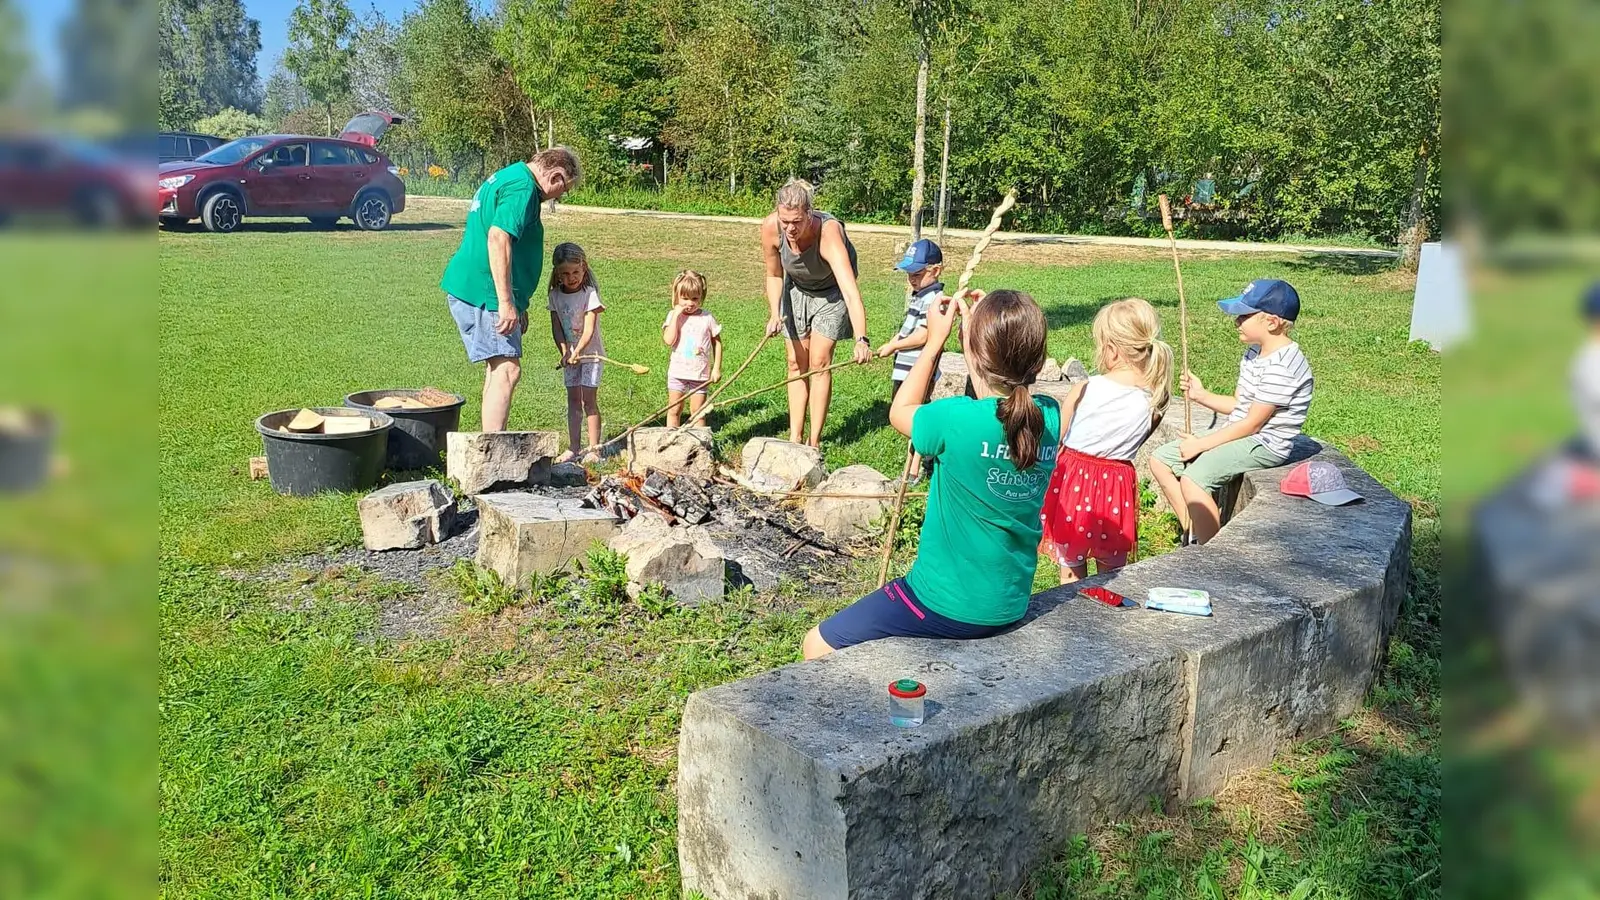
(894,611)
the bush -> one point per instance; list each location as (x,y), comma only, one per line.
(232,123)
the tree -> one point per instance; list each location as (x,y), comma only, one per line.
(319,51)
(206,52)
(731,88)
(284,96)
(232,123)
(15,62)
(461,92)
(109,62)
(540,41)
(375,64)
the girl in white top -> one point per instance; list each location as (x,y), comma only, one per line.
(1092,509)
(575,310)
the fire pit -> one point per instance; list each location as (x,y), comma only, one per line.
(422,418)
(304,463)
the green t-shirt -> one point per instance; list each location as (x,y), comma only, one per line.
(509,200)
(980,537)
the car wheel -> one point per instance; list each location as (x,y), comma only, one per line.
(372,212)
(324,221)
(222,212)
(173,221)
(98,208)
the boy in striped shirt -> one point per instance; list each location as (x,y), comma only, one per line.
(1264,415)
(922,264)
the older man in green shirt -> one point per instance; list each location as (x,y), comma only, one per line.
(495,271)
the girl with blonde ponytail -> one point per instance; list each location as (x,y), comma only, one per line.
(1092,509)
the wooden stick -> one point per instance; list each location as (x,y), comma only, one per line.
(705,408)
(989,230)
(637,369)
(791,378)
(1183,304)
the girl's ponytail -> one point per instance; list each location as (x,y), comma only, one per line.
(1024,425)
(1008,333)
(1157,373)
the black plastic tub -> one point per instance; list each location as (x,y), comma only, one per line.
(25,447)
(304,464)
(418,438)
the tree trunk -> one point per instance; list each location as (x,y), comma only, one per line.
(1416,230)
(550,131)
(330,119)
(919,180)
(944,173)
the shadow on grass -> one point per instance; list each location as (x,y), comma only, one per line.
(1342,263)
(1065,314)
(860,422)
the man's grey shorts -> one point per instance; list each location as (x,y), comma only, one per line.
(478,335)
(804,312)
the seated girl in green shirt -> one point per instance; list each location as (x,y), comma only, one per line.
(992,457)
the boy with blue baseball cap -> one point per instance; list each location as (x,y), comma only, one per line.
(922,264)
(1265,414)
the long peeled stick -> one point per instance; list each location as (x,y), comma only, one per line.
(705,408)
(1000,211)
(635,367)
(1183,305)
(773,387)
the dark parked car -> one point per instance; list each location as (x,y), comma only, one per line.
(50,175)
(179,146)
(323,179)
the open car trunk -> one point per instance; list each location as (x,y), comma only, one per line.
(369,127)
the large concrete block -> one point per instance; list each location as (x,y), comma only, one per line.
(483,461)
(794,784)
(521,533)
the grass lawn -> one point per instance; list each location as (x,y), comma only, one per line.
(528,752)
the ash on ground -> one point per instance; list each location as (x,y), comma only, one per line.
(766,545)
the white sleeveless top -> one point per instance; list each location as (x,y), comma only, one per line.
(1111,421)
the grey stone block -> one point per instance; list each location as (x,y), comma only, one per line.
(794,784)
(688,451)
(521,533)
(483,461)
(406,516)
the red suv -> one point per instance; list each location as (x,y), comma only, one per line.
(323,179)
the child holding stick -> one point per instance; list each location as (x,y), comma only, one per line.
(575,309)
(1092,510)
(696,341)
(922,263)
(1265,414)
(991,462)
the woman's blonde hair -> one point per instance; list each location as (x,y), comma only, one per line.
(570,252)
(690,280)
(1132,328)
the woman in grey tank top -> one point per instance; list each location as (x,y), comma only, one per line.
(813,298)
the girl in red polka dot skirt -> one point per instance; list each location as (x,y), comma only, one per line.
(1092,508)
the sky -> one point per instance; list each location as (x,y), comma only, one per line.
(44,19)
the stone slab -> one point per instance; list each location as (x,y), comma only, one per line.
(523,533)
(772,464)
(406,516)
(682,559)
(482,461)
(680,451)
(794,784)
(844,519)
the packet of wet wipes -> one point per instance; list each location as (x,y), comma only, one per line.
(1188,601)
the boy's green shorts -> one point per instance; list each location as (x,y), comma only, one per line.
(1216,467)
